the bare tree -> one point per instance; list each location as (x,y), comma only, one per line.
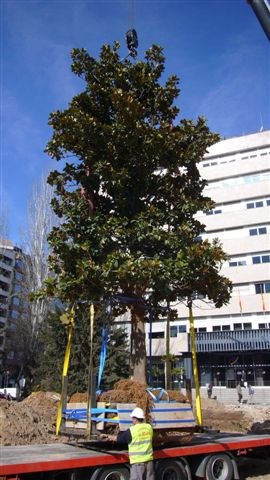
(40,220)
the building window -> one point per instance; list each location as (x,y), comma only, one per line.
(262,325)
(173,331)
(4,286)
(3,300)
(202,329)
(216,328)
(255,204)
(5,273)
(257,231)
(263,287)
(182,328)
(226,328)
(214,212)
(6,260)
(157,335)
(237,263)
(237,326)
(16,301)
(247,326)
(261,259)
(268,202)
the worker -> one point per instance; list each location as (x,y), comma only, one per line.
(139,438)
(209,390)
(239,392)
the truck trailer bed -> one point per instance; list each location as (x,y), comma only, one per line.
(60,456)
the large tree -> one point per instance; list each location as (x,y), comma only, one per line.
(128,192)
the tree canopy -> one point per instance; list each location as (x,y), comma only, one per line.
(128,191)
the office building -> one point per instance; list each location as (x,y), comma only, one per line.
(13,307)
(232,342)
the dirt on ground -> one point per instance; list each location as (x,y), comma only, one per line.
(33,420)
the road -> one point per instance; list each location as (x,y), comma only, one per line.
(255,469)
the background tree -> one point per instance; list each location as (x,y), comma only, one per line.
(30,273)
(128,192)
(53,341)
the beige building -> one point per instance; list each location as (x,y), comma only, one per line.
(234,340)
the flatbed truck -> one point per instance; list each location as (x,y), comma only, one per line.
(211,456)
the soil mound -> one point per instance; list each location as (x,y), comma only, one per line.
(29,421)
(32,421)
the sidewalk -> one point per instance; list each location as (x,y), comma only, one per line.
(228,396)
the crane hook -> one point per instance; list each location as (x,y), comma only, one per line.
(132,42)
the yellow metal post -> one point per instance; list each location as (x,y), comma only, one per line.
(194,364)
(90,377)
(67,319)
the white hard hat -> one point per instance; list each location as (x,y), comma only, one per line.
(137,413)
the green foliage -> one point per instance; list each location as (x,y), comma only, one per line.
(130,196)
(129,187)
(48,373)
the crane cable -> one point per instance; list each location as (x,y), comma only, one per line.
(131,13)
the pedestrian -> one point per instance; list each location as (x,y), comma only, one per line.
(250,390)
(139,438)
(239,392)
(209,390)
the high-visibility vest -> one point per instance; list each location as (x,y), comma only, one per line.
(140,448)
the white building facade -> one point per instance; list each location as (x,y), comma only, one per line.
(233,342)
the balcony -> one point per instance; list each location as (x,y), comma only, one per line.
(229,341)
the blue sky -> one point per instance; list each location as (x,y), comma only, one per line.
(216,47)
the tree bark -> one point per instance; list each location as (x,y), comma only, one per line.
(138,349)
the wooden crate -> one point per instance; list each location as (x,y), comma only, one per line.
(165,415)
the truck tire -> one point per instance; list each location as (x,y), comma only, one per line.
(219,467)
(171,470)
(114,473)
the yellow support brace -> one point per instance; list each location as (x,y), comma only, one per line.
(194,364)
(69,320)
(90,378)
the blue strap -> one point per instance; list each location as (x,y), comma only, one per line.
(150,348)
(104,344)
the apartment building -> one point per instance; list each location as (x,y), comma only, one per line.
(12,307)
(232,342)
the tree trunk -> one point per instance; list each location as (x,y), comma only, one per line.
(138,349)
